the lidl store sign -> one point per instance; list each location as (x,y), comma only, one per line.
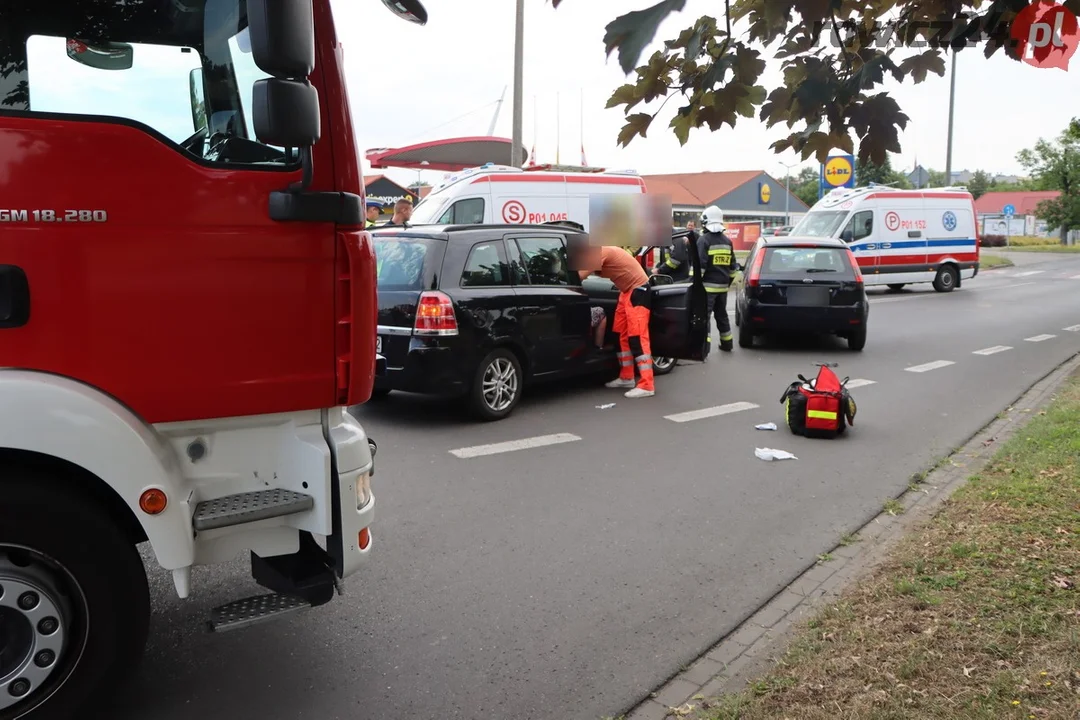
(837,172)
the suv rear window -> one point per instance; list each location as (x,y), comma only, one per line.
(803,260)
(399,262)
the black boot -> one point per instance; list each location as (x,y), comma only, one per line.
(726,345)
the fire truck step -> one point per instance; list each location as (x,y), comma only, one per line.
(249,507)
(254,610)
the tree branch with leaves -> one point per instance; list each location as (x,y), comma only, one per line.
(832,63)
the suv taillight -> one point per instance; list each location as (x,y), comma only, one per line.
(435,315)
(855,267)
(753,278)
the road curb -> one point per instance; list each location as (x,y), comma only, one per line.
(751,647)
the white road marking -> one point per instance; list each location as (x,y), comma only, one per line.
(512,445)
(1072,328)
(1027,273)
(1075,277)
(1006,287)
(1040,338)
(992,350)
(859,382)
(925,367)
(711,412)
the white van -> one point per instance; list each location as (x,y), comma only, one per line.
(499,194)
(901,236)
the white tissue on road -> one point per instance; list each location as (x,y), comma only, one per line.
(765,426)
(771,454)
(605,406)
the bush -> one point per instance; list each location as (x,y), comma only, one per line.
(1027,240)
(992,241)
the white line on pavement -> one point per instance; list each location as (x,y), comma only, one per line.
(1006,287)
(1072,328)
(930,366)
(1075,277)
(710,412)
(1028,273)
(512,445)
(992,350)
(859,382)
(1040,338)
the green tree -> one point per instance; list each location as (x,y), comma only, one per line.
(835,54)
(805,185)
(867,172)
(979,184)
(1055,165)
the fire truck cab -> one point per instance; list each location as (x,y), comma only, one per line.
(187,310)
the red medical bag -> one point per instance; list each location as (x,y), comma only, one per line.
(818,408)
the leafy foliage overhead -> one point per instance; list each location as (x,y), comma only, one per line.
(835,54)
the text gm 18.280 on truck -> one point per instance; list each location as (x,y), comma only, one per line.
(187,308)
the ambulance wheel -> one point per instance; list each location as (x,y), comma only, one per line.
(746,335)
(946,279)
(856,339)
(74,600)
(496,386)
(896,287)
(663,365)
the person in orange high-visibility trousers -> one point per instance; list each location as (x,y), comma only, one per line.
(632,323)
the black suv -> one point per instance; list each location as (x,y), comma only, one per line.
(481,310)
(800,285)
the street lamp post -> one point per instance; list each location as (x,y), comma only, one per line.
(787,192)
(519,63)
(948,142)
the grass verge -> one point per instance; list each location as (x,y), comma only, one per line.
(988,262)
(975,615)
(1056,248)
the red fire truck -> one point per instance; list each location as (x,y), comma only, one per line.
(187,308)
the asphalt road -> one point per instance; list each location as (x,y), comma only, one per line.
(566,581)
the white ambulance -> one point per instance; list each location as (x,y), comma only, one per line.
(499,194)
(901,236)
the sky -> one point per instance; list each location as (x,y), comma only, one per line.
(409,84)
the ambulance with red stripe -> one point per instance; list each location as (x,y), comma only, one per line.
(901,237)
(500,194)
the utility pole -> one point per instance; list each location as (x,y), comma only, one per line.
(519,64)
(952,100)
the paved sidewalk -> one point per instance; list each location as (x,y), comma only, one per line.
(749,649)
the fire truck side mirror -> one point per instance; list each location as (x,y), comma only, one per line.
(282,34)
(285,112)
(411,10)
(108,56)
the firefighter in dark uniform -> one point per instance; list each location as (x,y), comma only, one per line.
(718,266)
(675,262)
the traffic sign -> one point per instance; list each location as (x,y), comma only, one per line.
(1009,211)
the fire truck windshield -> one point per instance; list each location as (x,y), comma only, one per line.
(180,69)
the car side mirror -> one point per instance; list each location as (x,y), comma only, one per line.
(846,236)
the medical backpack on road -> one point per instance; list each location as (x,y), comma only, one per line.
(818,408)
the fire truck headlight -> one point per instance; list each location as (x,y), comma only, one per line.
(363,490)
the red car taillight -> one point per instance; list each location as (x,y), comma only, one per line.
(855,266)
(753,278)
(435,315)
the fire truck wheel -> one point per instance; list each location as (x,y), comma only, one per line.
(74,601)
(497,385)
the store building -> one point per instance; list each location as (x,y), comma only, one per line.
(995,220)
(743,195)
(388,192)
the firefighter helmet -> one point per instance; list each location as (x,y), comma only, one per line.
(712,219)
